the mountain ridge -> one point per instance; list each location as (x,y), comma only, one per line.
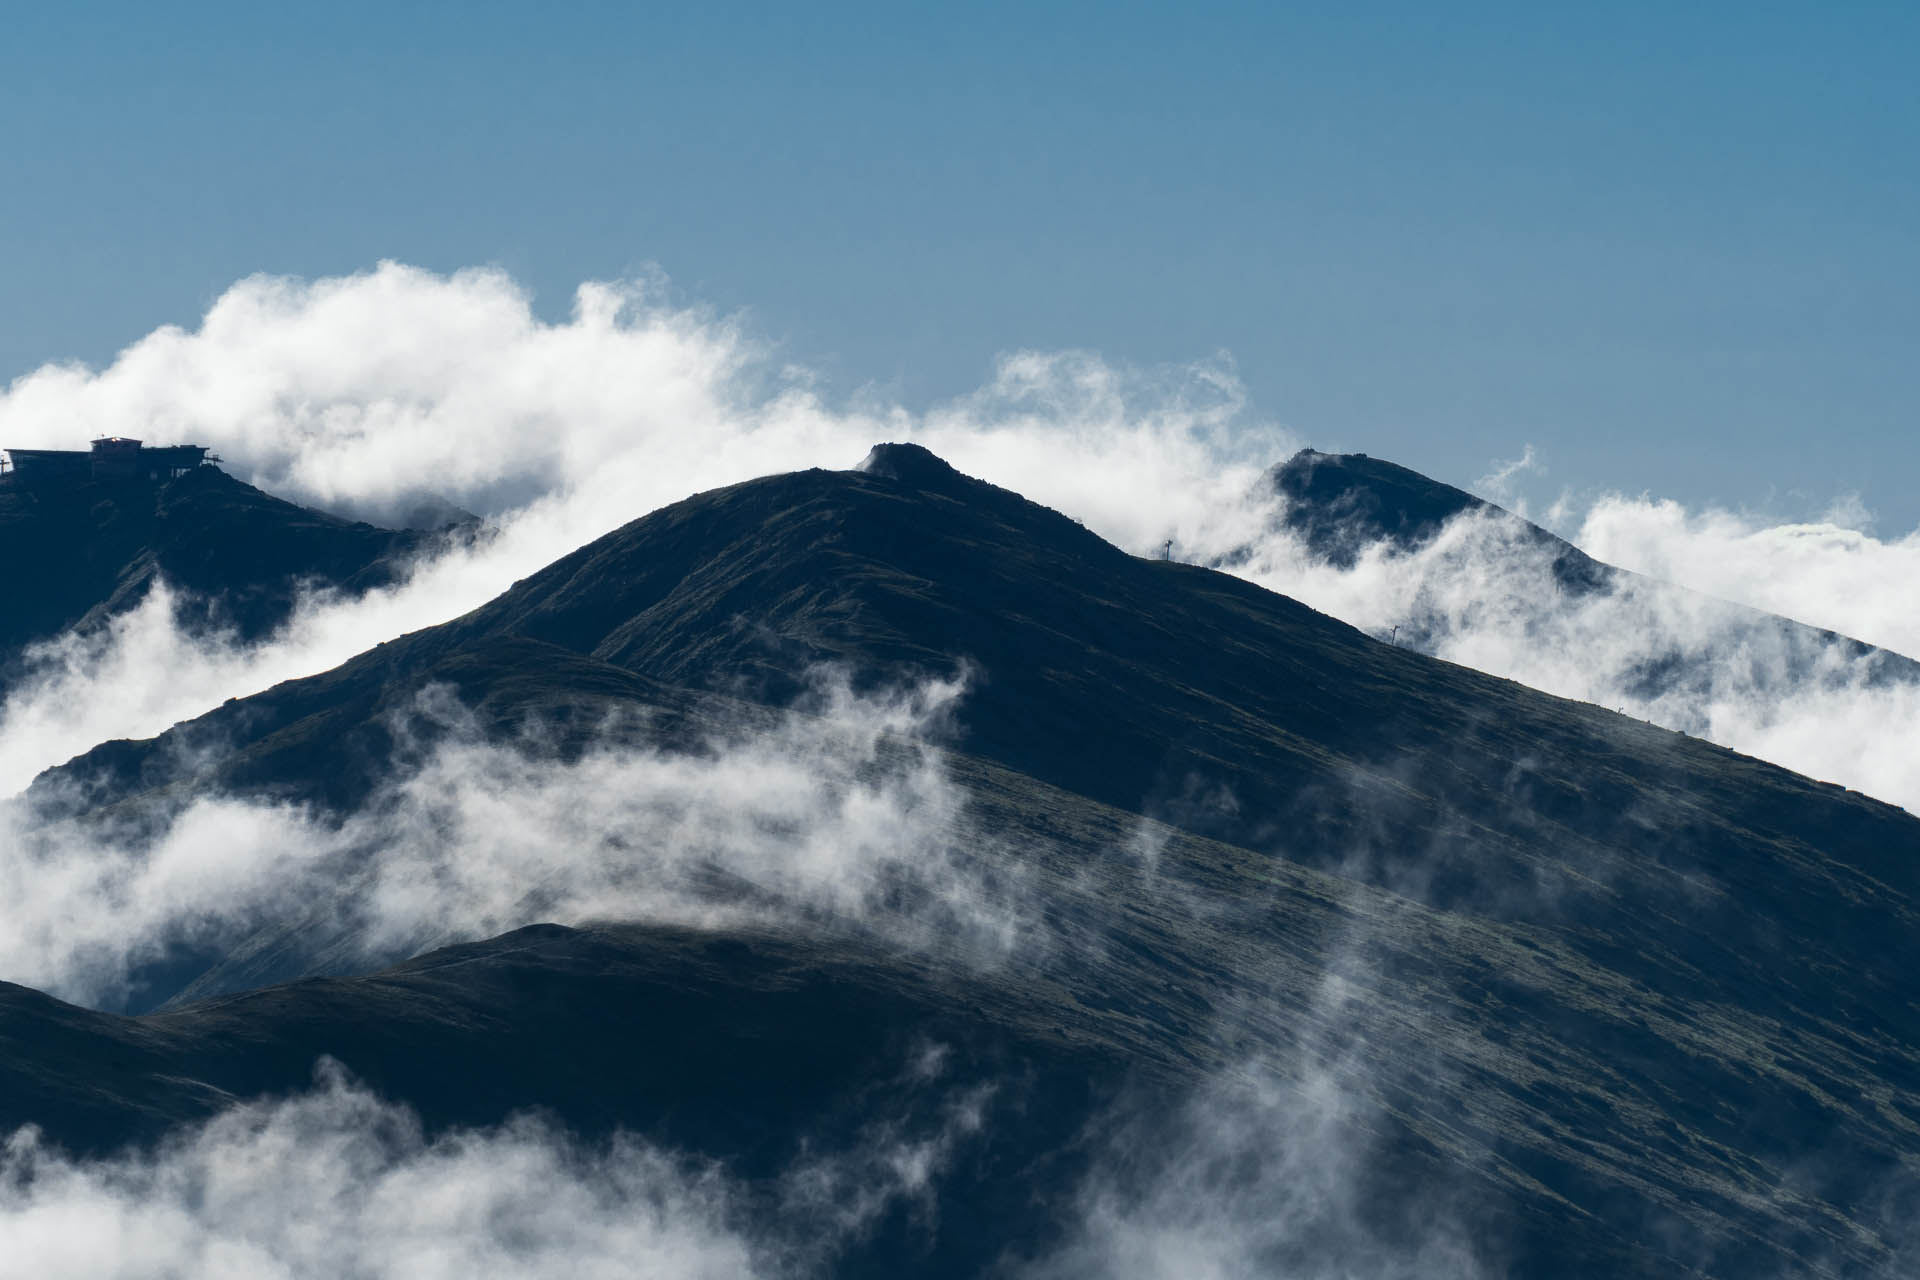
(236,557)
(1619,975)
(1450,574)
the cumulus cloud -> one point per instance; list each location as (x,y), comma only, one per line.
(841,812)
(1827,573)
(363,392)
(337,1182)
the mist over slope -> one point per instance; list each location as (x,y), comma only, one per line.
(1349,506)
(1345,505)
(1321,957)
(1432,567)
(1496,983)
(132,605)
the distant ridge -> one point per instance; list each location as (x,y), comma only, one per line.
(1344,503)
(80,553)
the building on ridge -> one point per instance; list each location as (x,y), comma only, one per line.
(110,458)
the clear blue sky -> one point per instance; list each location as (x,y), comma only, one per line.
(1675,247)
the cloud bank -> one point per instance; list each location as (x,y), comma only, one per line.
(1829,573)
(363,393)
(840,813)
(337,1182)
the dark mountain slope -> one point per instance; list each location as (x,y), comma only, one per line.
(752,1047)
(1145,685)
(79,554)
(641,1019)
(1151,686)
(1343,504)
(753,1050)
(1582,1112)
(1643,986)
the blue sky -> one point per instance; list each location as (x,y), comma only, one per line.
(1671,247)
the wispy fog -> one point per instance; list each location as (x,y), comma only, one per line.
(1833,573)
(1277,1167)
(841,811)
(336,1182)
(1484,594)
(141,673)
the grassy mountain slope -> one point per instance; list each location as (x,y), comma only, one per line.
(1343,503)
(1649,995)
(79,554)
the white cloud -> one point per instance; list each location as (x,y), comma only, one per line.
(1483,594)
(336,1182)
(1824,573)
(840,812)
(360,391)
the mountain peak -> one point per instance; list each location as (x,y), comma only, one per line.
(1344,502)
(911,464)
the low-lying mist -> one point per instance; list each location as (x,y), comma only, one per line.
(1274,1164)
(839,811)
(339,1182)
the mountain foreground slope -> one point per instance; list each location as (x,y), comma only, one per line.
(1593,997)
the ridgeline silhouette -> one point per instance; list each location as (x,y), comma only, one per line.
(1628,1002)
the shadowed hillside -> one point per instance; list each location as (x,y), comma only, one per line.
(1642,1003)
(78,554)
(1343,503)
